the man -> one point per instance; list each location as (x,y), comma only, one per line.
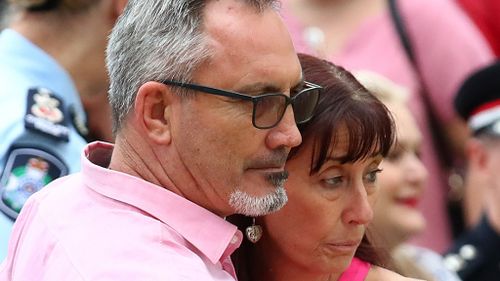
(53,77)
(198,137)
(476,255)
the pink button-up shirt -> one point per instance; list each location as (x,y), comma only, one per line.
(105,225)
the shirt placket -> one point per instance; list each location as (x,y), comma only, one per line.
(227,264)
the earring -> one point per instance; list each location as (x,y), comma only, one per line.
(253,232)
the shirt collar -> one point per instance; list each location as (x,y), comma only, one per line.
(209,233)
(37,66)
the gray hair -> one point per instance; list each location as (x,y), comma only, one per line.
(155,40)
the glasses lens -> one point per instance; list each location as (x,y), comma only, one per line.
(304,104)
(268,110)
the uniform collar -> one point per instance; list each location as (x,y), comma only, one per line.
(209,233)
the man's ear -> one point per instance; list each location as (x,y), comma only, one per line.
(152,111)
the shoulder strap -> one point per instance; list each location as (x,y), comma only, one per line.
(401,30)
(438,135)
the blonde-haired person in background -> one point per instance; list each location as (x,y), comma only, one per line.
(53,77)
(401,185)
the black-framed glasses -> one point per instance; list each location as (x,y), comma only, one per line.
(268,109)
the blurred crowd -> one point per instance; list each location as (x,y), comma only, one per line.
(433,63)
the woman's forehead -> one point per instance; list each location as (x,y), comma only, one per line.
(340,148)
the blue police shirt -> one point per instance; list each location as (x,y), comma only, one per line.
(39,136)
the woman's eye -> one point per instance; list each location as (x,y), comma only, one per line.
(372,176)
(334,181)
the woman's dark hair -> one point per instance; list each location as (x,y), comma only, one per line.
(345,103)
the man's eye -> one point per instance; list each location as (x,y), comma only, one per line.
(270,106)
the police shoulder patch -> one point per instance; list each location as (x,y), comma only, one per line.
(26,171)
(45,113)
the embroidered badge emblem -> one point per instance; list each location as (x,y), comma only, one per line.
(45,114)
(27,170)
(46,106)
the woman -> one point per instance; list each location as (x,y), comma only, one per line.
(396,216)
(360,34)
(53,78)
(331,188)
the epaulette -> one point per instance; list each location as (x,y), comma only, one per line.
(46,114)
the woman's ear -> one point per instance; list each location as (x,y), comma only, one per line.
(153,111)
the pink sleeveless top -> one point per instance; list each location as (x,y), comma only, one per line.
(357,271)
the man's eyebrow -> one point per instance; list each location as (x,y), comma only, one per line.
(299,83)
(259,87)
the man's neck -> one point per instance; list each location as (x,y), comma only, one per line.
(157,165)
(126,159)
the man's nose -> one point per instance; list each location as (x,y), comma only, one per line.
(286,133)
